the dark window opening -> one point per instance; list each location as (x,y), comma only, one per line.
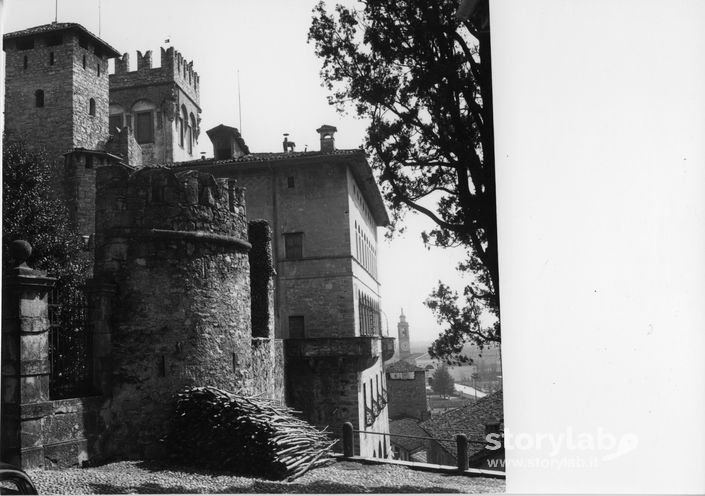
(25,45)
(290,181)
(296,326)
(89,162)
(25,62)
(294,245)
(91,107)
(115,124)
(144,128)
(84,61)
(54,40)
(51,58)
(39,98)
(157,193)
(82,42)
(98,66)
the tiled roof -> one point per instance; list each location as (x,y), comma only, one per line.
(60,26)
(402,366)
(355,159)
(267,157)
(407,427)
(469,420)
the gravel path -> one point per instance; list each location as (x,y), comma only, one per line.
(341,477)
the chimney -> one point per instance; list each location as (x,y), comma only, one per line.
(287,145)
(327,134)
(227,142)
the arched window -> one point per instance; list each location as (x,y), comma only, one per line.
(184,125)
(91,106)
(39,98)
(192,133)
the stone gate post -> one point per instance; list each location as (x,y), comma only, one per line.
(25,356)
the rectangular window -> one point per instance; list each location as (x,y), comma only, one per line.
(144,128)
(189,140)
(296,326)
(290,181)
(294,245)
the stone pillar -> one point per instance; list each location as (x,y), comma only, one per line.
(25,356)
(100,300)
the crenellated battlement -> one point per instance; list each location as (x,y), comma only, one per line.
(162,201)
(174,67)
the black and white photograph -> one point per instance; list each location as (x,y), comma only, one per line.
(353,246)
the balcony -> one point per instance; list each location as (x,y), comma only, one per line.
(364,351)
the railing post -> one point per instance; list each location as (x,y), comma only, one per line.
(462,445)
(348,440)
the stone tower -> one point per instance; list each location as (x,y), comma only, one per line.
(160,104)
(56,88)
(174,248)
(403,328)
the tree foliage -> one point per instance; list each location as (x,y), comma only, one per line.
(443,383)
(423,79)
(32,211)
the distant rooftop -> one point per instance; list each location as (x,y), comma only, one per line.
(56,27)
(469,420)
(402,366)
(407,427)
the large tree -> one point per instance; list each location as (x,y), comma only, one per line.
(421,74)
(443,383)
(34,213)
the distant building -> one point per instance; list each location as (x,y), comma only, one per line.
(324,208)
(407,391)
(476,421)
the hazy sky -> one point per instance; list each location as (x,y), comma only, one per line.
(280,92)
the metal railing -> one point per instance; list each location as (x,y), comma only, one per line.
(461,441)
(69,344)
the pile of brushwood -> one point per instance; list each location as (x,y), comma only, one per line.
(219,430)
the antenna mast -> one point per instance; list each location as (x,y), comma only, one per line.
(239,101)
(56,11)
(99,19)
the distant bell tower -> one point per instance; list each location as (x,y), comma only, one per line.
(403,328)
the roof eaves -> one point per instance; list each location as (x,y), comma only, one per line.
(61,26)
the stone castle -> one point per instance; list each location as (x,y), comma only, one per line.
(187,289)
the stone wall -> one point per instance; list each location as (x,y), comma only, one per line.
(64,121)
(174,245)
(167,89)
(37,431)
